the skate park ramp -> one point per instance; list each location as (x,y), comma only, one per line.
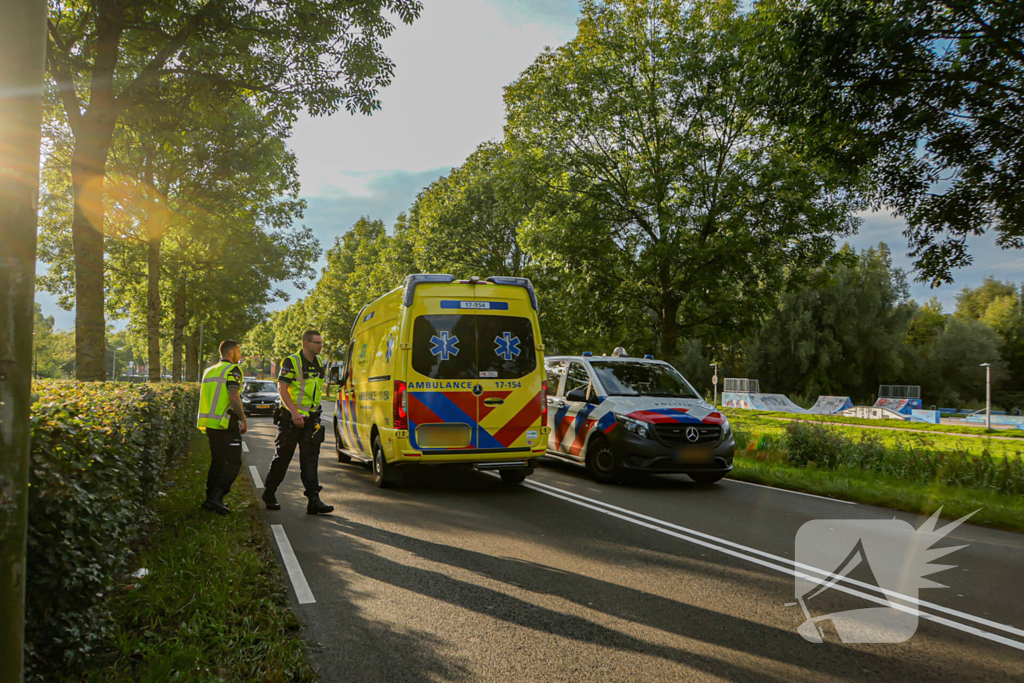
(874,413)
(757,401)
(830,405)
(902,406)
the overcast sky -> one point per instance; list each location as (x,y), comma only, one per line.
(446,98)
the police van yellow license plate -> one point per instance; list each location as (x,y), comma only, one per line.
(694,455)
(261,407)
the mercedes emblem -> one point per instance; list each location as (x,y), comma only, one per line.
(477,389)
(692,434)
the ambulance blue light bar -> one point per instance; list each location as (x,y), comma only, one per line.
(420,278)
(516,282)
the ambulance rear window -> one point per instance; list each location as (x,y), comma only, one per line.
(473,346)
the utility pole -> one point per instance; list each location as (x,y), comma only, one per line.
(988,394)
(22,69)
(714,381)
(200,374)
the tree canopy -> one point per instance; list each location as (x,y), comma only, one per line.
(655,157)
(927,94)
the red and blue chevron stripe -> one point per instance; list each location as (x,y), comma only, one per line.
(675,416)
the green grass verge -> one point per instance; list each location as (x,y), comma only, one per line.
(893,424)
(214,606)
(761,423)
(998,511)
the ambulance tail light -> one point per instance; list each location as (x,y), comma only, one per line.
(544,402)
(401,406)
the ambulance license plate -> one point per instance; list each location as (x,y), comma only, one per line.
(694,455)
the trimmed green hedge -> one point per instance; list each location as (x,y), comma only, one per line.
(99,457)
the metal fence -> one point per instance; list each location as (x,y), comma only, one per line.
(899,391)
(742,385)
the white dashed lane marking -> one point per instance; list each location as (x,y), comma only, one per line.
(255,476)
(291,563)
(245,447)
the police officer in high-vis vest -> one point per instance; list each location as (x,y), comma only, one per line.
(222,417)
(301,385)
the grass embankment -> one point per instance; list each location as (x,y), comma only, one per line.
(891,424)
(213,607)
(859,465)
(939,439)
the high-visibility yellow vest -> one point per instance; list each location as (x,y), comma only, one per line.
(306,393)
(214,399)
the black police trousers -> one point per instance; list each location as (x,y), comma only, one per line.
(288,437)
(225,458)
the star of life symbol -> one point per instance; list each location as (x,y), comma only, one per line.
(508,346)
(391,348)
(890,558)
(444,346)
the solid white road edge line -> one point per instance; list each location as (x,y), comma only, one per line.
(255,476)
(697,536)
(799,493)
(291,564)
(245,447)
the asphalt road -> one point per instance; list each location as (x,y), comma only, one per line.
(454,576)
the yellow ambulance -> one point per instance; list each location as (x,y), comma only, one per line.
(444,371)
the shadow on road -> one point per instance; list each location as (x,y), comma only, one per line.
(654,611)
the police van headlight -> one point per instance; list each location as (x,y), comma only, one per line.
(636,426)
(726,430)
(245,400)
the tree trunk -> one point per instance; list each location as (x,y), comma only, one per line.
(153,309)
(154,234)
(192,357)
(93,134)
(87,171)
(179,331)
(669,329)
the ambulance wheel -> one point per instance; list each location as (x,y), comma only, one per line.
(383,473)
(602,463)
(706,477)
(513,476)
(339,444)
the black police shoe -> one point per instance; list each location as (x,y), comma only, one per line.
(213,503)
(315,506)
(270,500)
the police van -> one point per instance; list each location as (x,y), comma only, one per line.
(616,415)
(444,371)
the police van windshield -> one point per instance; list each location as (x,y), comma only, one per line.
(257,387)
(473,346)
(626,378)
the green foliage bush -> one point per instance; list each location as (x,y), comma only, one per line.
(99,456)
(813,445)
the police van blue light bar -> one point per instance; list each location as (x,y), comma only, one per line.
(588,353)
(649,356)
(419,278)
(516,282)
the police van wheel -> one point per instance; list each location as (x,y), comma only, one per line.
(339,444)
(602,463)
(513,476)
(383,473)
